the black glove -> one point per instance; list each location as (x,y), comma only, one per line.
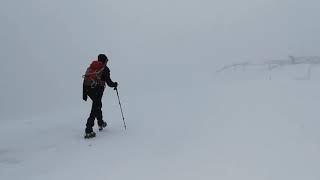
(115,85)
(85,96)
(84,93)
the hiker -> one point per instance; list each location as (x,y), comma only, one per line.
(97,75)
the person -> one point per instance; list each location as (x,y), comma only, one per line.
(97,75)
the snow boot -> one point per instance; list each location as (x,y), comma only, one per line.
(90,135)
(104,124)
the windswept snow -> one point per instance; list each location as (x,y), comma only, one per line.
(226,130)
(256,119)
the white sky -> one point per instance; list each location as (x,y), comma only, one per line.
(46,45)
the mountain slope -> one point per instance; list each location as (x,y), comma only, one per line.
(223,130)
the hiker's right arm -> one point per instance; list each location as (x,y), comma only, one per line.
(107,79)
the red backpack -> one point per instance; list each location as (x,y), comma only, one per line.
(93,74)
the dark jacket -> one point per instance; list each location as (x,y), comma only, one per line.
(106,77)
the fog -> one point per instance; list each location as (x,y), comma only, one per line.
(184,121)
(47,45)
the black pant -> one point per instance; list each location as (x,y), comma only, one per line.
(95,95)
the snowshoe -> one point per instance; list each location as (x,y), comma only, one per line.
(104,124)
(90,135)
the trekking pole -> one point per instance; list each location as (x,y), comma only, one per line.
(124,123)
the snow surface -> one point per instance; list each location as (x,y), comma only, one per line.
(184,120)
(223,129)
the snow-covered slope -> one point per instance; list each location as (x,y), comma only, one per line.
(221,129)
(185,121)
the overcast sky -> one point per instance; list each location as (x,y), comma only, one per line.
(46,45)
